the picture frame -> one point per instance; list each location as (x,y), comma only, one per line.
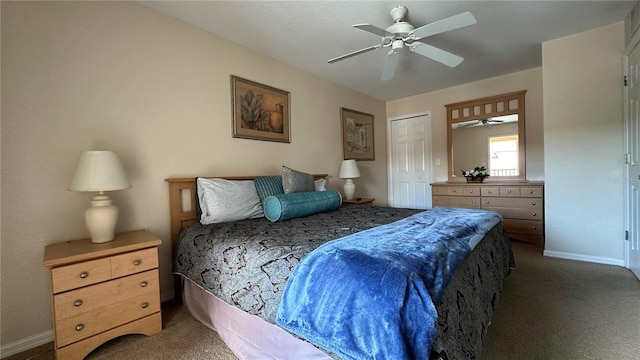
(259,112)
(357,135)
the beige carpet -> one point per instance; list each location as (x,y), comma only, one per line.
(549,309)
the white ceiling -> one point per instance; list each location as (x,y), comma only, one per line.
(305,34)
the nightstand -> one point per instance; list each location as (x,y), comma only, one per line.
(359,201)
(102,291)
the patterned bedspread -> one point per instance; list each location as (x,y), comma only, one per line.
(247,264)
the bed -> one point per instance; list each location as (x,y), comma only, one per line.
(251,315)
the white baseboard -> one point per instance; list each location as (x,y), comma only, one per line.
(26,344)
(586,258)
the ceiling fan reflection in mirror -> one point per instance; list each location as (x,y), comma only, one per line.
(402,34)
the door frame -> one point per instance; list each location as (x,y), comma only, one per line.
(390,158)
(632,45)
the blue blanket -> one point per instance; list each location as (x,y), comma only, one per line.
(372,295)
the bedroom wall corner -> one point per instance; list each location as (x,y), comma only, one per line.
(583,123)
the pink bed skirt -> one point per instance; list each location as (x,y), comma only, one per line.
(248,336)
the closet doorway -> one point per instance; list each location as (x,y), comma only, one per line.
(410,161)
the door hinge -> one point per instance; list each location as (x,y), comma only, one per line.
(625,80)
(626,234)
(627,158)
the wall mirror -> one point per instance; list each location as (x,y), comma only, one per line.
(487,132)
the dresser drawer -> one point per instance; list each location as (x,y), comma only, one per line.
(533,191)
(439,190)
(80,301)
(510,191)
(96,321)
(489,191)
(523,214)
(531,227)
(69,277)
(468,202)
(515,203)
(134,262)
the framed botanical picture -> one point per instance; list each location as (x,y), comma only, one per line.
(357,135)
(259,112)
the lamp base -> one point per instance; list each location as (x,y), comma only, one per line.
(349,189)
(101,219)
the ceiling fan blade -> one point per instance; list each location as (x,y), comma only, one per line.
(373,29)
(436,54)
(390,65)
(451,23)
(351,54)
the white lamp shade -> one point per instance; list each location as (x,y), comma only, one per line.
(99,171)
(349,170)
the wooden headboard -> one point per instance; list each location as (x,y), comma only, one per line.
(182,201)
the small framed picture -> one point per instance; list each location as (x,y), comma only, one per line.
(357,135)
(259,112)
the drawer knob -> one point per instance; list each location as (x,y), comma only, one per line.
(509,191)
(470,191)
(79,327)
(77,303)
(473,201)
(534,214)
(453,191)
(489,191)
(487,202)
(534,227)
(533,203)
(143,284)
(137,263)
(84,275)
(145,305)
(530,191)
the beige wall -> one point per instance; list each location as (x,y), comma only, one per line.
(583,138)
(530,80)
(118,75)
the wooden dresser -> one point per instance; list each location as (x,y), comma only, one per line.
(520,204)
(102,291)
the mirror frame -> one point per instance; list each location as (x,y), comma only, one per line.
(482,108)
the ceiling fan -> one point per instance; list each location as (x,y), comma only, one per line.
(484,122)
(402,34)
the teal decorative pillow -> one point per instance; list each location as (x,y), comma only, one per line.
(296,181)
(288,206)
(267,186)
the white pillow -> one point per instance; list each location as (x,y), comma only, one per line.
(320,184)
(226,200)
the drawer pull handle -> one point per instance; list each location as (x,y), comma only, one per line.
(137,263)
(77,303)
(144,283)
(145,305)
(79,327)
(84,275)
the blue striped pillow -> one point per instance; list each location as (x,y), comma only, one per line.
(268,186)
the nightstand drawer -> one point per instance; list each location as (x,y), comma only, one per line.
(85,325)
(80,301)
(134,262)
(69,277)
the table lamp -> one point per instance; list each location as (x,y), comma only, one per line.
(100,171)
(349,170)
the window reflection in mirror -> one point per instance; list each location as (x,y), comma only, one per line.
(492,143)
